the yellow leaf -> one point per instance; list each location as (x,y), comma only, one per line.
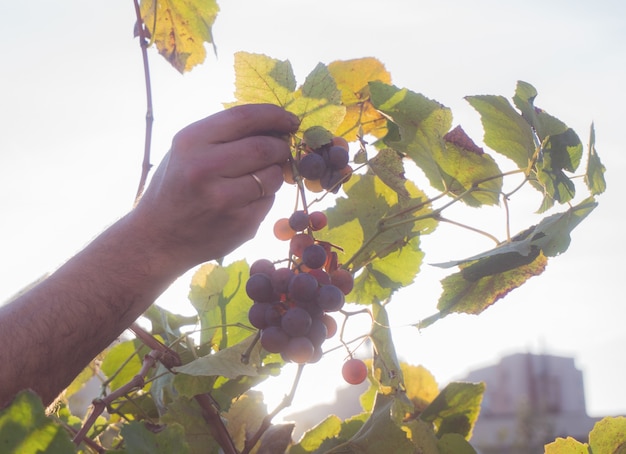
(180,28)
(421,386)
(352,78)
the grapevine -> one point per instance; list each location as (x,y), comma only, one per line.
(194,387)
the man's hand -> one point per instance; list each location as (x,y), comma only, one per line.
(204,199)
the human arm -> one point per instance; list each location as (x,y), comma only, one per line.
(201,204)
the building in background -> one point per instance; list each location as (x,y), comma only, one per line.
(529,401)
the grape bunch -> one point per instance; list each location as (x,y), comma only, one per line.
(326,167)
(292,303)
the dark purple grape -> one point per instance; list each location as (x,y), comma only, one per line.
(330,298)
(303,287)
(256,315)
(331,180)
(299,349)
(338,157)
(322,276)
(317,332)
(281,278)
(259,288)
(311,307)
(274,314)
(264,266)
(274,339)
(299,220)
(296,322)
(314,256)
(311,166)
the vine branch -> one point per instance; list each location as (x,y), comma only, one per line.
(143,44)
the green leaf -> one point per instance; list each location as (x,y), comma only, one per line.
(566,446)
(450,159)
(560,153)
(386,369)
(455,410)
(453,443)
(226,363)
(609,436)
(544,124)
(139,439)
(465,166)
(313,438)
(245,417)
(188,414)
(180,28)
(318,102)
(391,252)
(261,79)
(551,236)
(594,177)
(381,433)
(127,356)
(506,131)
(379,279)
(387,165)
(24,428)
(220,295)
(474,296)
(421,124)
(207,284)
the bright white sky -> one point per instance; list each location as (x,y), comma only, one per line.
(72,108)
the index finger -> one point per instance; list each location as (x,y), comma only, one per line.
(242,121)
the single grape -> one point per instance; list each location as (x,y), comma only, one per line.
(322,276)
(259,288)
(343,279)
(331,325)
(311,166)
(256,315)
(331,180)
(311,307)
(314,256)
(341,142)
(354,371)
(338,157)
(282,230)
(317,332)
(330,298)
(303,287)
(274,314)
(317,355)
(299,242)
(288,173)
(299,349)
(264,266)
(313,185)
(296,322)
(274,339)
(317,220)
(281,278)
(299,220)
